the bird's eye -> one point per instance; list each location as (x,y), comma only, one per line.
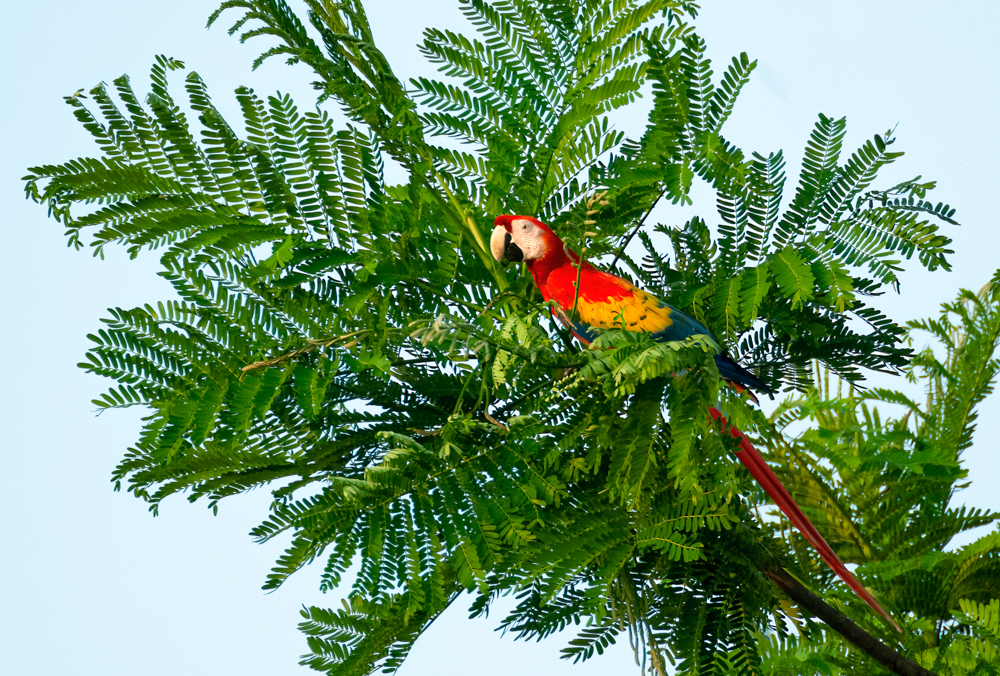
(525,226)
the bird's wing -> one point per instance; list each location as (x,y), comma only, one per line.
(683,326)
(608,302)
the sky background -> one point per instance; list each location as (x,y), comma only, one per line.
(91,583)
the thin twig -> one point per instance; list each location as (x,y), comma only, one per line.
(579,274)
(499,424)
(446,296)
(495,299)
(621,249)
(597,198)
(313,344)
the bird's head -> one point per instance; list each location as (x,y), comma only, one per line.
(522,238)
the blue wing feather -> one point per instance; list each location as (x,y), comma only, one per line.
(682,326)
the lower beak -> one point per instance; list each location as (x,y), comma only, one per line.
(502,248)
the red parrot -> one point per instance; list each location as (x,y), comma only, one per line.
(607,301)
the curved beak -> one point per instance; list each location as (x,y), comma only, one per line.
(502,248)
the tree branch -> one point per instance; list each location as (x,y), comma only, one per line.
(840,623)
(631,234)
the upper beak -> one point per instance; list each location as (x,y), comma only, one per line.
(502,248)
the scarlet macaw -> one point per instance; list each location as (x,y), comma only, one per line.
(607,301)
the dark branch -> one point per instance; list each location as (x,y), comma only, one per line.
(631,234)
(843,625)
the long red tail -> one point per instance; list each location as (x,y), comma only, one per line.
(765,477)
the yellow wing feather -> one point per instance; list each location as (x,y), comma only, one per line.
(607,302)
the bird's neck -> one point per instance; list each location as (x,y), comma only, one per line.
(556,256)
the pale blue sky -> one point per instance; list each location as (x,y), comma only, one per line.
(90,583)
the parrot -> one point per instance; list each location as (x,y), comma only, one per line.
(608,301)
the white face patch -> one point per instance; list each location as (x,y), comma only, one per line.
(528,237)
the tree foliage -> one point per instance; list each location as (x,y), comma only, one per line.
(880,489)
(353,346)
